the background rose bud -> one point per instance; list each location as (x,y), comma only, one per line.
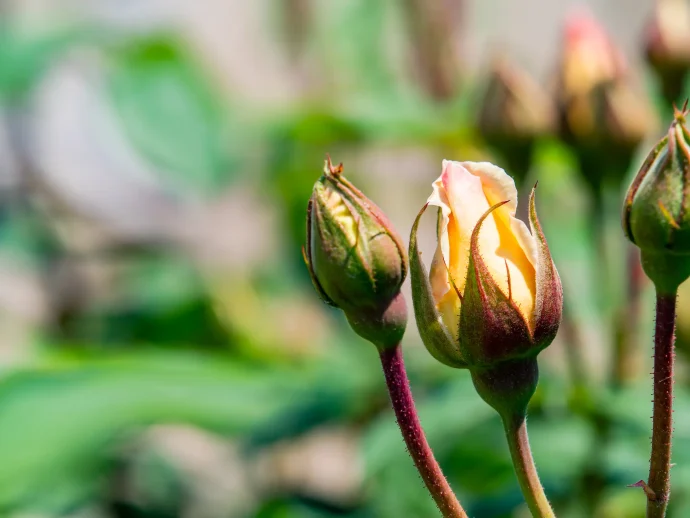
(514,113)
(602,114)
(355,258)
(656,214)
(667,45)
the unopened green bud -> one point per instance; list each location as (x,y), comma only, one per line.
(356,260)
(656,214)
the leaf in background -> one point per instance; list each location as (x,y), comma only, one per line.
(452,411)
(172,113)
(59,424)
(25,57)
(359,53)
(297,147)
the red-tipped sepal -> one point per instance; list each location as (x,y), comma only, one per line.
(492,328)
(548,304)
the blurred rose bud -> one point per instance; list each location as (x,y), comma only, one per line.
(667,45)
(514,113)
(601,115)
(356,260)
(656,214)
(493,298)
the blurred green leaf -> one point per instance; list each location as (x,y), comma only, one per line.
(173,114)
(59,424)
(25,56)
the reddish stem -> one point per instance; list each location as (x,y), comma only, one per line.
(662,421)
(411,429)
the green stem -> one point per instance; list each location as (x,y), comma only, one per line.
(662,420)
(413,434)
(526,471)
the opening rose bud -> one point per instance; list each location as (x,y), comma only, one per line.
(493,294)
(656,214)
(356,260)
(667,45)
(602,114)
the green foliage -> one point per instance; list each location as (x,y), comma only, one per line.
(173,114)
(160,334)
(25,56)
(61,422)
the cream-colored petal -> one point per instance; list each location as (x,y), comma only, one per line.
(438,275)
(447,300)
(464,192)
(439,199)
(459,192)
(498,187)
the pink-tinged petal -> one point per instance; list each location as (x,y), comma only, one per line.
(459,192)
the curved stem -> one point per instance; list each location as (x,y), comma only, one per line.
(411,429)
(662,421)
(526,471)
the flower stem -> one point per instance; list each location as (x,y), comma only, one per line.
(516,433)
(662,427)
(411,429)
(625,354)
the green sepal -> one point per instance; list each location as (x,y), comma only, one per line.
(492,328)
(435,335)
(548,305)
(306,254)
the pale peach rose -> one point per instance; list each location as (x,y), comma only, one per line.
(493,293)
(463,192)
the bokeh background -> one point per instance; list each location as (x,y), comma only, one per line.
(162,352)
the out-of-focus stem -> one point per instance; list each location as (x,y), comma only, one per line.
(413,434)
(672,87)
(431,25)
(574,349)
(297,20)
(625,358)
(662,421)
(526,471)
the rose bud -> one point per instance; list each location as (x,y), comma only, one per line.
(514,113)
(656,213)
(356,260)
(667,45)
(602,116)
(493,298)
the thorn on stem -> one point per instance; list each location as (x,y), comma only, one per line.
(651,495)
